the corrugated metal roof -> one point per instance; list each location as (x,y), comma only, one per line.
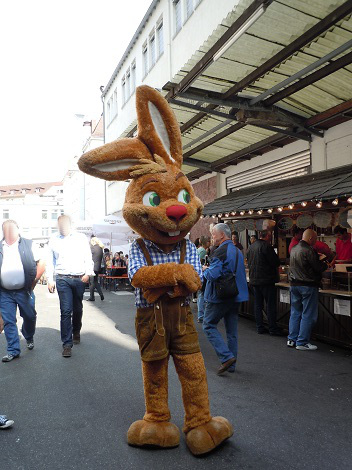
(321,185)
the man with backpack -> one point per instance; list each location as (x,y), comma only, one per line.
(226,288)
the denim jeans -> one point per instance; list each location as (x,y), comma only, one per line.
(70,292)
(304,313)
(200,304)
(267,293)
(214,312)
(25,301)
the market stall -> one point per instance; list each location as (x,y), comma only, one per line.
(321,201)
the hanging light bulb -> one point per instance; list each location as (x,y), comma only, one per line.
(303,203)
(202,216)
(270,210)
(260,212)
(220,215)
(227,214)
(250,212)
(349,200)
(242,212)
(233,213)
(335,202)
(214,216)
(280,209)
(319,204)
(291,206)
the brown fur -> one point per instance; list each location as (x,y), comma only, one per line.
(153,161)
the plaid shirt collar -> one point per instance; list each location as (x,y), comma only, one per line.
(153,246)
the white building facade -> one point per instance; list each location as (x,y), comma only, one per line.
(35,207)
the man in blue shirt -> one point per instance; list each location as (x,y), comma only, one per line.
(223,263)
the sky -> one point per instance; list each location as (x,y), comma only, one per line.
(54,57)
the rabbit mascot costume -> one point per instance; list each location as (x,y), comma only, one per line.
(164,268)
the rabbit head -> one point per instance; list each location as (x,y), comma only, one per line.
(160,203)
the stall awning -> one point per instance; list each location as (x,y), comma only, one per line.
(320,186)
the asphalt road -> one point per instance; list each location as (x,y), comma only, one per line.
(290,409)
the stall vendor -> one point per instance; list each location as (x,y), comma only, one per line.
(343,245)
(320,247)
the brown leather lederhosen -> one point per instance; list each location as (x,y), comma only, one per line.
(167,327)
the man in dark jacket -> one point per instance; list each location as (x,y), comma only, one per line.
(20,270)
(96,247)
(263,265)
(305,276)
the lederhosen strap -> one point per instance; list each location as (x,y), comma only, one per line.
(157,306)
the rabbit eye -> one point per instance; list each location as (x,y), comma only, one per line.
(151,198)
(184,196)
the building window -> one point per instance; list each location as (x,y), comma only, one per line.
(25,229)
(5,214)
(115,104)
(44,214)
(152,50)
(133,77)
(128,84)
(145,59)
(160,36)
(123,87)
(178,15)
(54,215)
(45,232)
(189,8)
(109,112)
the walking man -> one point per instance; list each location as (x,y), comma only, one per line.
(225,260)
(71,260)
(20,270)
(305,276)
(263,265)
(96,247)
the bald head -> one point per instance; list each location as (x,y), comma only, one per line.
(309,236)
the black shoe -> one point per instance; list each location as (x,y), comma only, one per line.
(30,344)
(262,331)
(102,297)
(90,300)
(277,332)
(66,352)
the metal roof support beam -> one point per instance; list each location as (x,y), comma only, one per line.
(197,107)
(296,135)
(310,79)
(200,164)
(244,103)
(337,15)
(302,72)
(214,139)
(208,57)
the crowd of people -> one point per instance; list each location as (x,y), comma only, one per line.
(72,263)
(221,256)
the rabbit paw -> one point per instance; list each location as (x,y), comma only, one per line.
(207,437)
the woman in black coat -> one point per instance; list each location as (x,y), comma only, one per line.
(96,247)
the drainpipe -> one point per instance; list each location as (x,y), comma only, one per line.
(170,38)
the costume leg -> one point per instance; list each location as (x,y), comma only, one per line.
(204,433)
(155,428)
(192,375)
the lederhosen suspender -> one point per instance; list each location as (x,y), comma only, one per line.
(158,305)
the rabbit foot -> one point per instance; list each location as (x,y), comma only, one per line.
(153,433)
(207,437)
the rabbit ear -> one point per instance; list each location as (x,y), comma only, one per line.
(157,125)
(115,160)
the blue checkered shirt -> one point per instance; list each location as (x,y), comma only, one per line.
(137,260)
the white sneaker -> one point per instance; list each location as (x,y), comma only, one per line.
(307,347)
(5,422)
(290,343)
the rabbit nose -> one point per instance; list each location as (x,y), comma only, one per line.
(176,213)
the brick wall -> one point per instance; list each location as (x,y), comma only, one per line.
(206,191)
